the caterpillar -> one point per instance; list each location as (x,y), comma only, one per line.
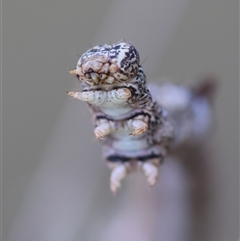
(137,124)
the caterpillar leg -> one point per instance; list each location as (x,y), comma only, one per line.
(96,97)
(150,170)
(119,96)
(138,125)
(119,172)
(104,128)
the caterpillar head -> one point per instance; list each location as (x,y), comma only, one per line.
(107,64)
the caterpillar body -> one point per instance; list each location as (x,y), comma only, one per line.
(135,123)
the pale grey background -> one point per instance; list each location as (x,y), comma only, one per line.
(41,42)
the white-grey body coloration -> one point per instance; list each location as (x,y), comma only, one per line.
(135,126)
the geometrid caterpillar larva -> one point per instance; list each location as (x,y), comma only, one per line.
(136,126)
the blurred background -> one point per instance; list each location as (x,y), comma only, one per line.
(55,184)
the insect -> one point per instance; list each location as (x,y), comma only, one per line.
(136,124)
